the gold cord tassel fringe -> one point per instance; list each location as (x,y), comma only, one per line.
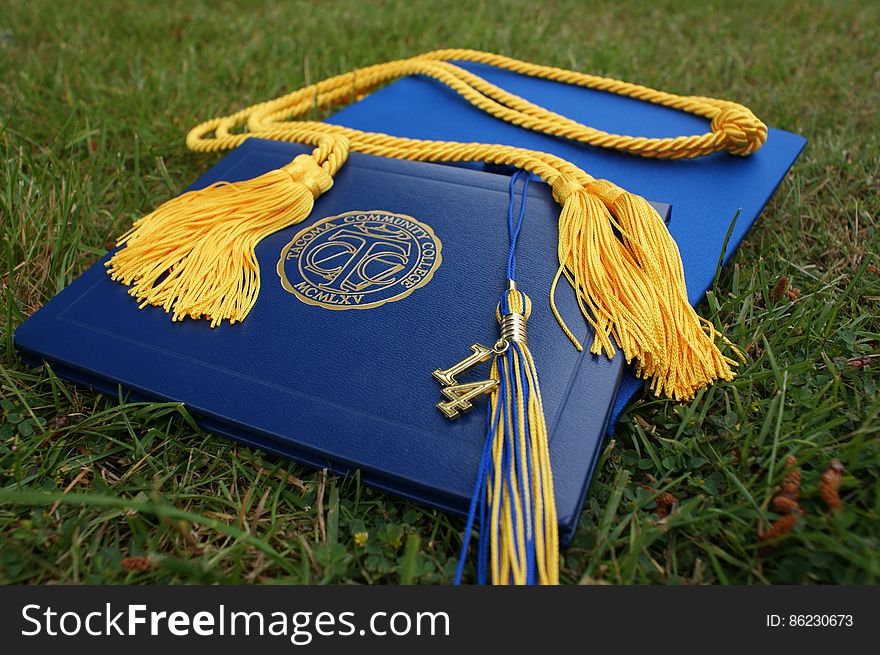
(194,255)
(616,252)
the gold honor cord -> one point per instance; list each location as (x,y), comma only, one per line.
(194,255)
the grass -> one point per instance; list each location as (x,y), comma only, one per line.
(94,102)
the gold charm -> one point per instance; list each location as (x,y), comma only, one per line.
(479,354)
(460,395)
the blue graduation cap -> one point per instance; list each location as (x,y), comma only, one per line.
(601,145)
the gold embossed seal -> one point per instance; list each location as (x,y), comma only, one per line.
(359,260)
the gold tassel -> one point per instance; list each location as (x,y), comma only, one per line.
(617,254)
(194,255)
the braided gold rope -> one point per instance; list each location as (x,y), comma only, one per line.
(733,127)
(194,256)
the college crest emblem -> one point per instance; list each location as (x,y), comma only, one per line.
(359,260)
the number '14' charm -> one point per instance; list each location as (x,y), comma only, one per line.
(460,394)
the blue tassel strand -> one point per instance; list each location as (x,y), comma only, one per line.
(513,499)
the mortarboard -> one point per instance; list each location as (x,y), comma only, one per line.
(195,258)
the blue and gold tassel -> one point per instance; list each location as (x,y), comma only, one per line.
(513,497)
